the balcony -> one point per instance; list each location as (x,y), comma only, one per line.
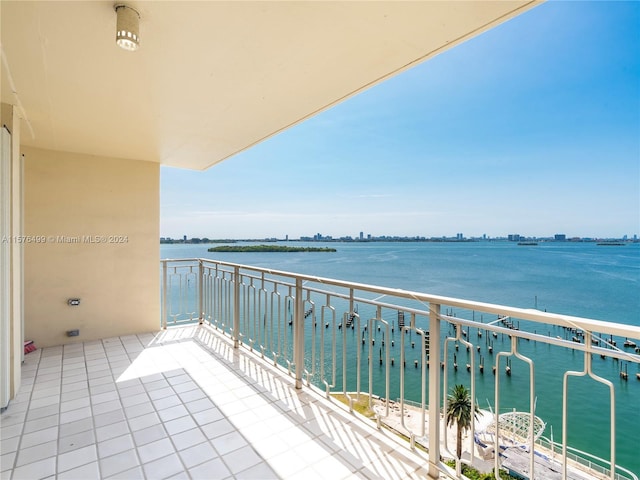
(244,381)
(183,403)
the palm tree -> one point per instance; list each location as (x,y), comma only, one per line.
(459,412)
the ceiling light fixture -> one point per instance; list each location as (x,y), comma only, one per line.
(127,28)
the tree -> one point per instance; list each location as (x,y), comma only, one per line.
(459,409)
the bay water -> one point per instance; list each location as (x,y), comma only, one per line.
(580,279)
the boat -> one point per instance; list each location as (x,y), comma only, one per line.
(629,343)
(527,243)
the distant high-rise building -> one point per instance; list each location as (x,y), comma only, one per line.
(361,235)
(459,236)
(560,237)
(514,237)
(184,238)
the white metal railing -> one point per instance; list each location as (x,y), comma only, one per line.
(345,337)
(591,462)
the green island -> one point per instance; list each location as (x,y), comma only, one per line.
(268,248)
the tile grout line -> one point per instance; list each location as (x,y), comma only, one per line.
(26,414)
(135,447)
(162,424)
(93,421)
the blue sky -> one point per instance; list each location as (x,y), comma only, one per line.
(531,128)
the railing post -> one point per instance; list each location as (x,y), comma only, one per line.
(236,307)
(298,337)
(164,295)
(200,292)
(434,391)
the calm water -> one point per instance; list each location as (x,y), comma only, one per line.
(577,279)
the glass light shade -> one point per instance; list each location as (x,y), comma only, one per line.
(127,28)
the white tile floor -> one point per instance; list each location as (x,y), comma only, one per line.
(183,404)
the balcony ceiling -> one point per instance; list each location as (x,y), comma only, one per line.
(210,78)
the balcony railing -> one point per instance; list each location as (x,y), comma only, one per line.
(401,349)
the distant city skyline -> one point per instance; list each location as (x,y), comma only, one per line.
(365,237)
(530,127)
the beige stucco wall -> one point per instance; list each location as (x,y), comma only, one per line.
(72,202)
